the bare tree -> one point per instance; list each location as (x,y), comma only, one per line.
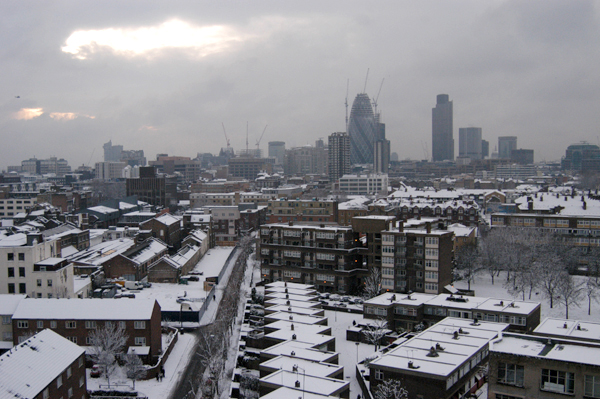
(467,263)
(591,292)
(390,389)
(107,344)
(549,276)
(212,351)
(375,331)
(373,283)
(134,367)
(569,292)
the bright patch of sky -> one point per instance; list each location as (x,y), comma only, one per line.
(28,113)
(203,40)
(68,116)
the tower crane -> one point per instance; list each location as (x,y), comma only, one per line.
(377,98)
(346,103)
(224,132)
(261,136)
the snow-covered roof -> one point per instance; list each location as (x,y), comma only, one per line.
(565,205)
(127,205)
(15,240)
(200,218)
(297,318)
(286,392)
(167,219)
(301,350)
(316,340)
(299,327)
(312,368)
(459,338)
(182,257)
(292,303)
(50,262)
(483,304)
(358,202)
(291,296)
(98,254)
(388,298)
(84,309)
(32,365)
(285,284)
(308,294)
(9,302)
(308,383)
(570,329)
(540,347)
(461,230)
(327,227)
(146,253)
(296,310)
(103,209)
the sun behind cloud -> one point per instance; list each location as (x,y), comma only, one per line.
(203,40)
(28,113)
(68,116)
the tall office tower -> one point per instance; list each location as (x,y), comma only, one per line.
(277,151)
(505,145)
(362,129)
(469,142)
(485,149)
(112,153)
(339,155)
(442,141)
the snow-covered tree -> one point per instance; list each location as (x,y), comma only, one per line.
(134,368)
(390,389)
(375,331)
(569,292)
(373,283)
(107,344)
(467,263)
(212,352)
(592,292)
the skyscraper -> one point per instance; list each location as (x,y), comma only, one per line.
(362,129)
(339,155)
(469,142)
(442,141)
(277,150)
(505,145)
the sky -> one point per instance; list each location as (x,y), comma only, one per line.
(164,77)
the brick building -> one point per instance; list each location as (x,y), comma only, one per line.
(75,319)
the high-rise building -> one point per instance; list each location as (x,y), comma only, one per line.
(277,151)
(363,130)
(469,142)
(442,140)
(485,149)
(505,145)
(339,155)
(112,153)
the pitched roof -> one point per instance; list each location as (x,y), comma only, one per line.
(32,365)
(84,309)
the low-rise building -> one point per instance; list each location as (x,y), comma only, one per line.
(75,319)
(43,366)
(442,362)
(8,305)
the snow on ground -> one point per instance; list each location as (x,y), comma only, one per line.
(166,295)
(483,287)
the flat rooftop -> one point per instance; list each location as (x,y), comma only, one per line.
(570,329)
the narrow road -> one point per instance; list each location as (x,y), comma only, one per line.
(191,378)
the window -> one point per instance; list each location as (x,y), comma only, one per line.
(6,320)
(123,325)
(40,324)
(558,381)
(70,393)
(88,341)
(80,361)
(139,325)
(59,381)
(72,339)
(69,372)
(21,256)
(53,324)
(21,272)
(592,386)
(140,341)
(81,381)
(11,288)
(511,374)
(22,288)
(10,257)
(378,374)
(49,283)
(70,324)
(11,272)
(90,324)
(46,393)
(39,282)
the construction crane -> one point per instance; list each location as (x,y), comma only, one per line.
(377,98)
(258,141)
(225,133)
(366,80)
(425,150)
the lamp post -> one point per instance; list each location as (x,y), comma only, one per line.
(357,343)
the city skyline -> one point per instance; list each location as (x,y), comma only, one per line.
(78,74)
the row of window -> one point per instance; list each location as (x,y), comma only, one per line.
(11,271)
(551,380)
(71,324)
(11,256)
(22,288)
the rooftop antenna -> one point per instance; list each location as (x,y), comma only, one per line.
(347,87)
(366,80)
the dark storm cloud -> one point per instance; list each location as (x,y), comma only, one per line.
(526,68)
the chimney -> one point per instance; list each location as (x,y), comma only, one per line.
(428,227)
(400,226)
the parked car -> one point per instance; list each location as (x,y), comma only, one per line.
(96,371)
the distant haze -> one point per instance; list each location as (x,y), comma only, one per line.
(162,76)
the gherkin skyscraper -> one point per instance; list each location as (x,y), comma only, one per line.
(363,129)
